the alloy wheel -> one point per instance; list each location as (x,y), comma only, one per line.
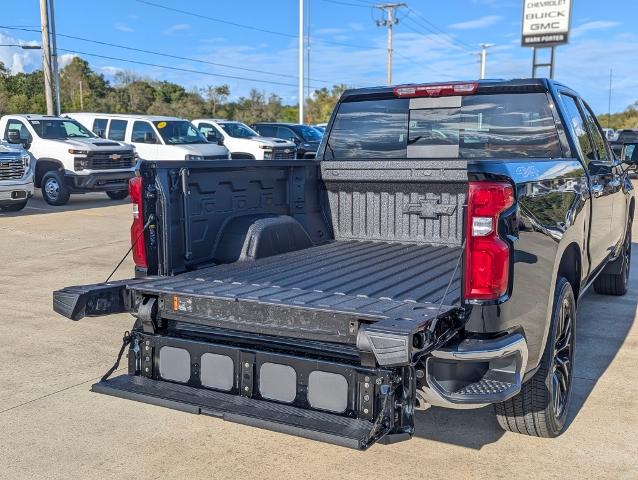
(562,364)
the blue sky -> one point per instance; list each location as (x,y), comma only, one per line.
(434,41)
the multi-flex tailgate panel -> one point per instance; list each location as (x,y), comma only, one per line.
(347,432)
(329,400)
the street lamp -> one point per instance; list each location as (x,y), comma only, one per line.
(23,47)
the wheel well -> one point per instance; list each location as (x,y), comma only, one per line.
(44,166)
(570,267)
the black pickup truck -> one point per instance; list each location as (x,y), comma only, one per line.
(432,254)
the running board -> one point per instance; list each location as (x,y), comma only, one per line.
(315,425)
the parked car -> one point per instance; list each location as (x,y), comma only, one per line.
(610,134)
(16,175)
(154,137)
(243,142)
(434,256)
(624,136)
(69,158)
(305,137)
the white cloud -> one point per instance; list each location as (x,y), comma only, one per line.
(483,22)
(123,27)
(179,27)
(592,26)
(16,59)
(65,59)
(111,70)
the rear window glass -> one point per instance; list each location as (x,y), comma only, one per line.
(517,125)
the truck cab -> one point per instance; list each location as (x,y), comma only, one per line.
(68,158)
(16,175)
(244,142)
(154,137)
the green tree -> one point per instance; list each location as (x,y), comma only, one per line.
(215,96)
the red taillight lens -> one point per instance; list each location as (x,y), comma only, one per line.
(135,190)
(487,256)
(436,90)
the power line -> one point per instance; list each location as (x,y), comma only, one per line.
(250,27)
(168,55)
(348,4)
(433,35)
(179,69)
(431,26)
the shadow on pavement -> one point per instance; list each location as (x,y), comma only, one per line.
(603,323)
(85,201)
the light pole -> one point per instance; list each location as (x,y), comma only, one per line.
(23,47)
(301,61)
(484,47)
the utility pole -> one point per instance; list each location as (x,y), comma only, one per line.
(46,57)
(390,21)
(301,61)
(484,47)
(54,47)
(308,9)
(611,72)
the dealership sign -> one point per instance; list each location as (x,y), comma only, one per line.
(545,22)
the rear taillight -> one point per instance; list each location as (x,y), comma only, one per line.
(487,256)
(436,90)
(135,190)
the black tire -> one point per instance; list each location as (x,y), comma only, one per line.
(617,283)
(13,207)
(117,195)
(54,188)
(540,408)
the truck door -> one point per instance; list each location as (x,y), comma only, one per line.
(601,182)
(144,139)
(613,169)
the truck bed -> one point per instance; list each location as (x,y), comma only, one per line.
(375,278)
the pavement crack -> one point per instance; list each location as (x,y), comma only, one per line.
(50,394)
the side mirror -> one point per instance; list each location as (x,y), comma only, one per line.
(294,140)
(630,154)
(211,137)
(149,137)
(13,136)
(220,140)
(101,133)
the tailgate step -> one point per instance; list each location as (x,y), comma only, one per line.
(335,429)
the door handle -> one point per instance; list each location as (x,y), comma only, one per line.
(597,190)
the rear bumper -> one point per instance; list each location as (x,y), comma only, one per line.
(100,181)
(475,373)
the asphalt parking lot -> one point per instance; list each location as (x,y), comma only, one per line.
(52,426)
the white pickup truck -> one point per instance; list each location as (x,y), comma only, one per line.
(154,137)
(243,142)
(69,158)
(16,176)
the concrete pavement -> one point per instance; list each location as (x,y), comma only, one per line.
(51,426)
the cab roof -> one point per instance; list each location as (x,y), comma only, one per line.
(517,84)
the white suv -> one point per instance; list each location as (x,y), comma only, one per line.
(243,141)
(69,158)
(154,137)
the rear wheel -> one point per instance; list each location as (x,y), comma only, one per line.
(117,195)
(13,207)
(540,408)
(617,283)
(54,188)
